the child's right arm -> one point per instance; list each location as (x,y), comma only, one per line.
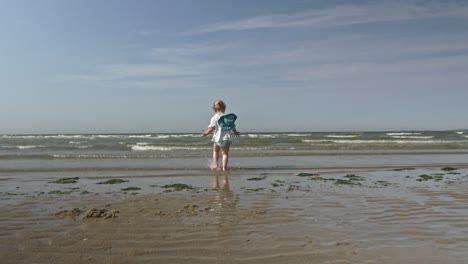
(208,131)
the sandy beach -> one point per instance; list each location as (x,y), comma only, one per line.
(345,215)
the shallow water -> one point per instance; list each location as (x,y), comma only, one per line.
(253,217)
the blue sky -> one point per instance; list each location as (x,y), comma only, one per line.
(157,66)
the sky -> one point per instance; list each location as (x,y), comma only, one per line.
(122,66)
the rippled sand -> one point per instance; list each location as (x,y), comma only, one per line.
(264,217)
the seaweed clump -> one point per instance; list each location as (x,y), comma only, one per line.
(448,169)
(58,192)
(257,178)
(113,181)
(177,187)
(435,177)
(351,179)
(66,180)
(131,189)
(304,174)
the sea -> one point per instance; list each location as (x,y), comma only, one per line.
(153,153)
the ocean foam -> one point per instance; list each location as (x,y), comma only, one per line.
(342,136)
(30,147)
(414,137)
(403,133)
(262,136)
(298,135)
(343,141)
(164,148)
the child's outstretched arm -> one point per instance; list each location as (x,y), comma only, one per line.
(208,131)
(237,133)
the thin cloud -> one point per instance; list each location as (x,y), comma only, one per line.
(343,15)
(337,72)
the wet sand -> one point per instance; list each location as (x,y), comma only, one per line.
(379,215)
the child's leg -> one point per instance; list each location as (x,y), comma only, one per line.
(225,156)
(214,163)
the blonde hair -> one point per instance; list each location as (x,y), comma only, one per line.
(219,106)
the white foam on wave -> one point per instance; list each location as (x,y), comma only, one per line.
(139,136)
(342,136)
(298,135)
(166,136)
(30,147)
(84,147)
(89,156)
(460,132)
(403,133)
(262,136)
(343,141)
(164,148)
(414,137)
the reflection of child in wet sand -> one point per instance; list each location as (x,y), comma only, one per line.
(224,201)
(222,126)
(225,183)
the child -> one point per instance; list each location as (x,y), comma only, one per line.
(222,133)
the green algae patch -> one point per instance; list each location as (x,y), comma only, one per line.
(130,189)
(11,194)
(438,177)
(317,178)
(425,177)
(350,179)
(73,188)
(59,192)
(274,184)
(435,177)
(257,178)
(293,188)
(448,169)
(113,181)
(66,180)
(403,169)
(177,187)
(255,190)
(353,177)
(383,183)
(304,174)
(346,182)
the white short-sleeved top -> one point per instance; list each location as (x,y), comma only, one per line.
(219,134)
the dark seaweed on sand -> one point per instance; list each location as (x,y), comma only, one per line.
(403,169)
(66,180)
(113,181)
(59,192)
(131,189)
(353,177)
(435,177)
(178,186)
(257,178)
(304,174)
(346,182)
(448,169)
